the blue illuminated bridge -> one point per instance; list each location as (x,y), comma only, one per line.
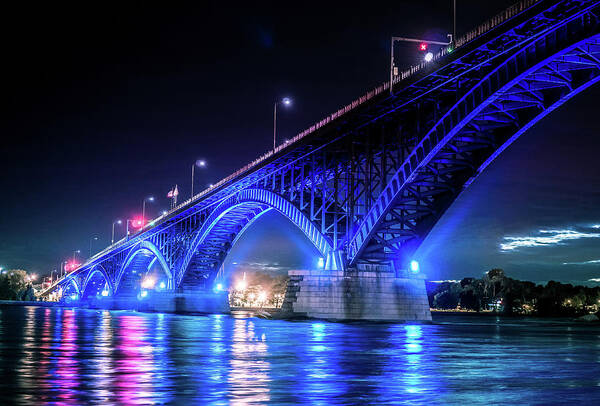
(368,183)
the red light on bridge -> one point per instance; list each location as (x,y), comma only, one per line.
(71,266)
(137,222)
(423,46)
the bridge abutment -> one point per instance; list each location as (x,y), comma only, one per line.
(356,295)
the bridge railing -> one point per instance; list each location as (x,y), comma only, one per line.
(471,35)
(483,28)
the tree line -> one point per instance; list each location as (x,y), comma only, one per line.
(497,292)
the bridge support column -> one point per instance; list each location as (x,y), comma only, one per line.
(356,295)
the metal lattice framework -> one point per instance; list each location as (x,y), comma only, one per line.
(368,183)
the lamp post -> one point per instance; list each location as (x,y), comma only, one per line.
(200,163)
(62,268)
(140,224)
(73,263)
(147,199)
(112,241)
(286,102)
(92,240)
(52,274)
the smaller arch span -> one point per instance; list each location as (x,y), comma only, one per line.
(143,256)
(92,277)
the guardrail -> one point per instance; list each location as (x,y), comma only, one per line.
(483,28)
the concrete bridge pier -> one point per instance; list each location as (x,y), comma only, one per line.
(356,295)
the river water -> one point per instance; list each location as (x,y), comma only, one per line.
(77,356)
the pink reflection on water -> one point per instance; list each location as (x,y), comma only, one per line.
(133,361)
(66,375)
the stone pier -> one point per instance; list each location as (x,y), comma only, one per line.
(356,295)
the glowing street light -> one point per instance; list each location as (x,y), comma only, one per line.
(147,199)
(423,47)
(200,163)
(135,223)
(286,101)
(148,282)
(112,241)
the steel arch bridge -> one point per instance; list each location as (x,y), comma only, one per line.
(368,183)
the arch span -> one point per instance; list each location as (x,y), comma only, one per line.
(138,261)
(70,287)
(515,95)
(229,220)
(93,281)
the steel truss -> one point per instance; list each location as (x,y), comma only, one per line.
(367,187)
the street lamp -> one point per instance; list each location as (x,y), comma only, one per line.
(62,268)
(139,223)
(75,254)
(91,240)
(147,199)
(201,163)
(286,102)
(423,47)
(52,274)
(112,241)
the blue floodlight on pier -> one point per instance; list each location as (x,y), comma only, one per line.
(321,263)
(143,293)
(218,288)
(74,296)
(162,285)
(414,266)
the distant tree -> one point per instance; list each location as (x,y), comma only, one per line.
(448,297)
(12,283)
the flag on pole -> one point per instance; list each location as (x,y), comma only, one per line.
(173,193)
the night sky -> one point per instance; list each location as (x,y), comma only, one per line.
(110,103)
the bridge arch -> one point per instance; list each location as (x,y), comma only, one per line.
(138,262)
(229,220)
(70,287)
(509,100)
(96,280)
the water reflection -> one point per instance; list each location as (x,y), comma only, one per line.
(70,356)
(248,375)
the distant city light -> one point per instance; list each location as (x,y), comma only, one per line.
(414,266)
(241,285)
(428,57)
(144,293)
(148,282)
(262,296)
(218,287)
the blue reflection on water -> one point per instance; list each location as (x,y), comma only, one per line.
(74,356)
